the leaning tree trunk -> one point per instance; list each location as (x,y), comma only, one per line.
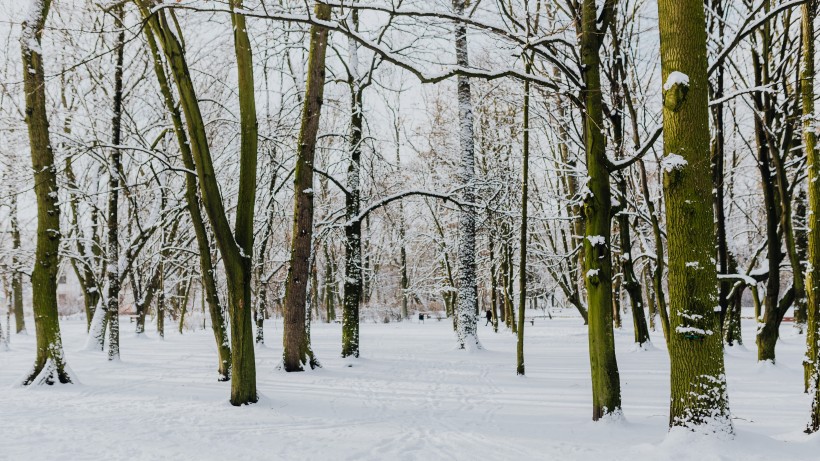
(113,272)
(49,364)
(467,307)
(698,382)
(606,386)
(296,341)
(210,294)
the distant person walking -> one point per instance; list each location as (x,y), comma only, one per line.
(421,317)
(489,317)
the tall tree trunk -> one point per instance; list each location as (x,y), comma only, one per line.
(49,364)
(493,282)
(657,273)
(809,12)
(297,351)
(467,308)
(606,386)
(716,25)
(522,277)
(235,249)
(114,167)
(84,269)
(698,382)
(354,281)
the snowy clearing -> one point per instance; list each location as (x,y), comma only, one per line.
(411,397)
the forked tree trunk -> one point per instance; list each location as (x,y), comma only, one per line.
(236,247)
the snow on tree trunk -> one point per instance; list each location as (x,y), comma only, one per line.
(698,398)
(467,307)
(113,273)
(49,364)
(606,385)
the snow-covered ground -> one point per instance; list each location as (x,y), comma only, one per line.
(411,396)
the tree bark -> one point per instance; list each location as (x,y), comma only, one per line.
(235,249)
(114,167)
(606,387)
(467,308)
(698,381)
(297,351)
(809,12)
(17,275)
(49,364)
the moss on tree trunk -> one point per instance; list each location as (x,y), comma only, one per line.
(698,383)
(49,363)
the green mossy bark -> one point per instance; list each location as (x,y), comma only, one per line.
(606,387)
(49,363)
(698,383)
(809,12)
(235,249)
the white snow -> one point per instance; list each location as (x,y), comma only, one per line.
(673,162)
(411,397)
(596,240)
(675,78)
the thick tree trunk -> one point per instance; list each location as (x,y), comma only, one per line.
(354,282)
(297,351)
(698,383)
(49,364)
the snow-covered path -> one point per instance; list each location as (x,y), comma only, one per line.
(411,396)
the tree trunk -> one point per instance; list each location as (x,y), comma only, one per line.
(809,11)
(49,364)
(522,278)
(467,308)
(606,387)
(297,352)
(235,249)
(698,381)
(114,167)
(17,275)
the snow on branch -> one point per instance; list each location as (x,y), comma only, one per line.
(384,52)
